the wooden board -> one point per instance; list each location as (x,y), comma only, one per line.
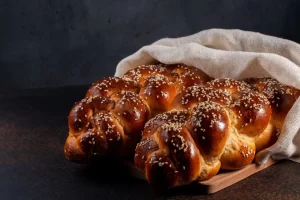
(218,182)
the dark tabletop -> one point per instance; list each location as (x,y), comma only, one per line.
(33,129)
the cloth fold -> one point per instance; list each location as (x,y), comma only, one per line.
(235,54)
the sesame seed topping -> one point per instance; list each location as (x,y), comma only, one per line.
(199,93)
(140,72)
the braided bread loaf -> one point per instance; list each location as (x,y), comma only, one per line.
(212,127)
(111,117)
(281,98)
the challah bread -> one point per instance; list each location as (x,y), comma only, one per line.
(159,84)
(100,125)
(111,85)
(212,127)
(109,120)
(281,98)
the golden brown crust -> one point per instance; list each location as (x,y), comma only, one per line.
(141,73)
(267,138)
(209,125)
(222,118)
(111,85)
(239,153)
(188,76)
(173,153)
(109,120)
(82,112)
(173,159)
(281,98)
(130,110)
(191,96)
(158,92)
(192,126)
(103,126)
(171,116)
(73,151)
(233,87)
(253,111)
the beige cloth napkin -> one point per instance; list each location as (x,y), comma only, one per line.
(235,54)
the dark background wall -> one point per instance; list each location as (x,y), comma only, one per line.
(50,43)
